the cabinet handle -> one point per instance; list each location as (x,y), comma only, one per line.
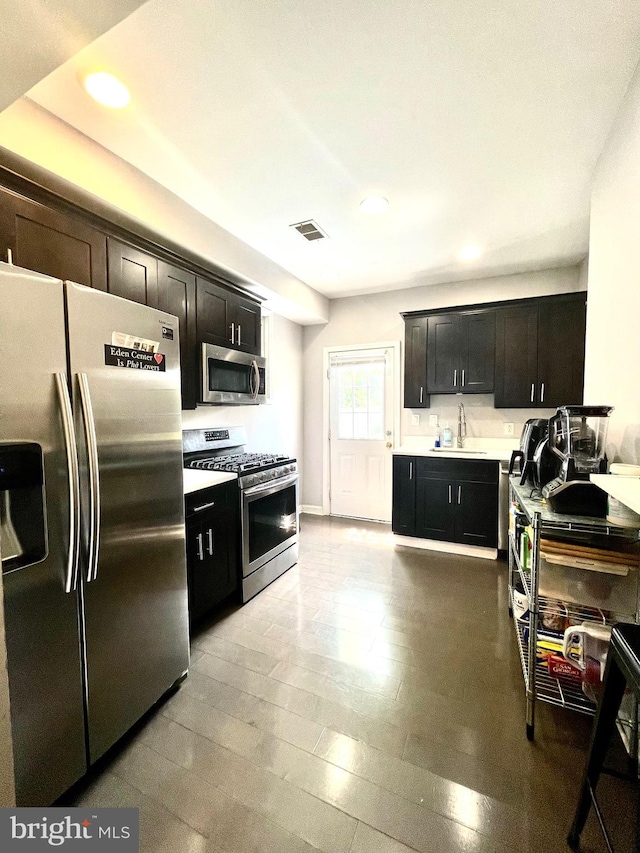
(450,496)
(200,548)
(204,506)
(463,377)
(239,335)
(533,390)
(233,333)
(542,393)
(421,393)
(459,494)
(9,256)
(210,538)
(455,377)
(411,470)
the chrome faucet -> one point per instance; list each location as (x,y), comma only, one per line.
(462,426)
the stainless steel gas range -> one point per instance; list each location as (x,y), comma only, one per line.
(268,501)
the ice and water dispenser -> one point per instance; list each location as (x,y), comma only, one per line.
(23,532)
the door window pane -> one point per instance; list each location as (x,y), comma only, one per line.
(361,400)
(345,425)
(360,425)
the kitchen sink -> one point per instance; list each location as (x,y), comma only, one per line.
(458,450)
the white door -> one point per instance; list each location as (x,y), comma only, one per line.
(361,433)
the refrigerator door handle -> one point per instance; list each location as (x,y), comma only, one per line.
(71,449)
(94,475)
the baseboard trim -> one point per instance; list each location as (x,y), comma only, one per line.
(446,547)
(311,509)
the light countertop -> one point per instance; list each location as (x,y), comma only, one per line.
(194,479)
(625,489)
(491,449)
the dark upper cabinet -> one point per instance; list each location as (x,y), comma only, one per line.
(403,520)
(477,351)
(516,356)
(213,313)
(443,354)
(132,274)
(540,353)
(176,295)
(415,363)
(561,341)
(460,352)
(46,241)
(225,318)
(248,325)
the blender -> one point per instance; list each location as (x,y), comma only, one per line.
(577,437)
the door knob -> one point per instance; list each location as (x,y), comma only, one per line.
(389,444)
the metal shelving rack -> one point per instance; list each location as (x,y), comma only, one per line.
(540,685)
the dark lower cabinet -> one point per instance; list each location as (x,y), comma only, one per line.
(212,551)
(446,499)
(435,511)
(476,513)
(403,519)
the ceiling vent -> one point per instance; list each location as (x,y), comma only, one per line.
(309,229)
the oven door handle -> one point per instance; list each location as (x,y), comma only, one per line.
(271,485)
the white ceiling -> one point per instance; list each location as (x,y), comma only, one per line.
(480,121)
(39,35)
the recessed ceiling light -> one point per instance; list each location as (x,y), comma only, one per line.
(107,90)
(374,204)
(469,253)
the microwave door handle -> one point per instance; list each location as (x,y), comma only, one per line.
(73,474)
(94,475)
(255,388)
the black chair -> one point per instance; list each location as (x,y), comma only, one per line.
(622,670)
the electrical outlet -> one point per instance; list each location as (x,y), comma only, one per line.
(415,420)
(433,420)
(508,429)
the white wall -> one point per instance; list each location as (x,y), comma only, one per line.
(376,317)
(274,427)
(35,134)
(613,313)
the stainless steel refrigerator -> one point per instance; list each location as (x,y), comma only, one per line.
(91,520)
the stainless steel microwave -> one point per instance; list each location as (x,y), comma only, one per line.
(230,377)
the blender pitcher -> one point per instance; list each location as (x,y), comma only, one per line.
(586,647)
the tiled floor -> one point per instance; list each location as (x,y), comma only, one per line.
(369,701)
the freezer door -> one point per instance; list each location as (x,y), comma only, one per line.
(43,642)
(128,420)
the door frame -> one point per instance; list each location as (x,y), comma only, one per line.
(327,352)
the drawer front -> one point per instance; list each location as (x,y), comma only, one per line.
(471,470)
(221,496)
